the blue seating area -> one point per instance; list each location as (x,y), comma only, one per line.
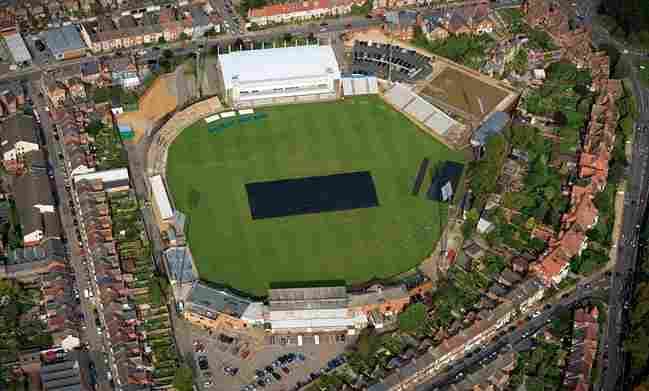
(218,126)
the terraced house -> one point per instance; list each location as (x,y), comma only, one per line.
(136,326)
(300,10)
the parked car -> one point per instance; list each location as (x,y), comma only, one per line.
(203,364)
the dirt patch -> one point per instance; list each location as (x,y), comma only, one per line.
(465,92)
(156,102)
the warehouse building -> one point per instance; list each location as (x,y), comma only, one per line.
(113,180)
(161,199)
(18,50)
(219,308)
(289,74)
(65,42)
(310,309)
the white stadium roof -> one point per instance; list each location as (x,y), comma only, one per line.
(250,66)
(114,175)
(161,199)
(17,48)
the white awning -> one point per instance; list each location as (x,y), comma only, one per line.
(161,198)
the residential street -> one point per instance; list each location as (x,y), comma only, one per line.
(84,276)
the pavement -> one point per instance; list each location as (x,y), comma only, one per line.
(615,360)
(84,276)
(221,355)
(511,337)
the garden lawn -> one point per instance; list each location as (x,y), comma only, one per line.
(207,174)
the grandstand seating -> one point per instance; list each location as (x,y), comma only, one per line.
(409,102)
(359,85)
(384,60)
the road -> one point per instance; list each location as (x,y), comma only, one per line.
(512,337)
(84,275)
(236,36)
(615,365)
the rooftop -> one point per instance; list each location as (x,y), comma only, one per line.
(210,301)
(63,39)
(17,48)
(180,264)
(288,63)
(314,298)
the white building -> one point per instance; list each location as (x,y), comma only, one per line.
(279,75)
(309,309)
(300,10)
(161,198)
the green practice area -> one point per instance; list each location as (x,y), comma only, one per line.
(207,173)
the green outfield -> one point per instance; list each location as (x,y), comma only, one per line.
(207,174)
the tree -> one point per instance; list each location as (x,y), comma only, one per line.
(522,136)
(162,40)
(183,379)
(94,127)
(564,71)
(484,173)
(184,36)
(559,118)
(472,218)
(412,318)
(168,53)
(519,63)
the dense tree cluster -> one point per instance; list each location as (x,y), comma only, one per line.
(631,15)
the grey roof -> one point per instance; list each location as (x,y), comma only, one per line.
(90,68)
(403,17)
(378,387)
(56,375)
(290,299)
(50,249)
(31,189)
(493,125)
(209,301)
(180,264)
(63,39)
(199,17)
(17,48)
(408,370)
(16,128)
(379,296)
(61,376)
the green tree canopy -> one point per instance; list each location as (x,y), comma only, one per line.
(183,379)
(412,318)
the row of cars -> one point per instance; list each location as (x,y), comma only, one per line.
(271,373)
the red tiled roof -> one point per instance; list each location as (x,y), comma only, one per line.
(288,8)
